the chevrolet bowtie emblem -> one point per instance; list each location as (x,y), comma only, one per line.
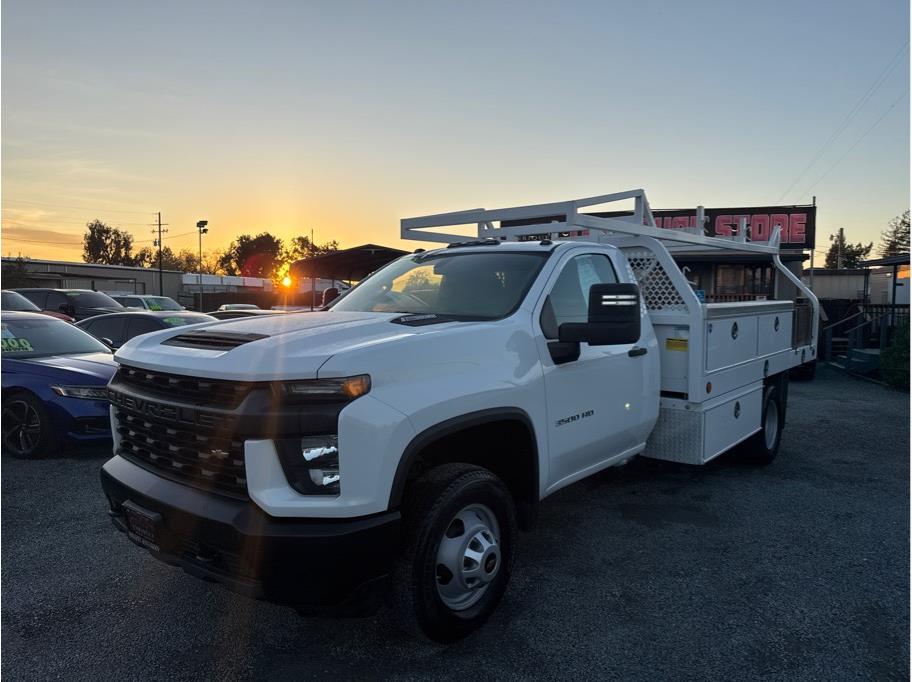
(221,454)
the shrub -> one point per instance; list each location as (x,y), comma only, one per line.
(894,362)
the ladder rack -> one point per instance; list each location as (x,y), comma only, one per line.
(600,229)
(640,223)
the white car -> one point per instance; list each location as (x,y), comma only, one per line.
(144,302)
(238,306)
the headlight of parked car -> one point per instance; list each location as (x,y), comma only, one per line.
(84,392)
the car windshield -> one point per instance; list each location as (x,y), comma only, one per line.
(161,303)
(91,299)
(13,301)
(181,320)
(467,286)
(34,338)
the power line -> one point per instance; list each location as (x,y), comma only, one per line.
(892,64)
(55,243)
(856,143)
(79,208)
(35,241)
(81,222)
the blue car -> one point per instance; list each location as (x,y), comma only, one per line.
(54,385)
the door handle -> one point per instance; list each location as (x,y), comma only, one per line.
(635,351)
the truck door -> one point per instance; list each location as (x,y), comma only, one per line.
(599,404)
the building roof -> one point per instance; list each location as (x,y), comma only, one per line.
(901,259)
(77,264)
(348,264)
(836,272)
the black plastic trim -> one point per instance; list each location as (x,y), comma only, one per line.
(212,340)
(454,425)
(298,562)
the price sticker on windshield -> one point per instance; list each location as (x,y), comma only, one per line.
(15,344)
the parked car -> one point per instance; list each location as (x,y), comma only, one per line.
(148,302)
(14,301)
(54,385)
(77,303)
(232,314)
(238,306)
(116,329)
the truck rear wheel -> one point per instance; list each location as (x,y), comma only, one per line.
(460,532)
(763,446)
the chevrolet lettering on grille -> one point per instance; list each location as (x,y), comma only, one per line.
(143,406)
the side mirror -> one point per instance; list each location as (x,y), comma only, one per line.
(614,317)
(106,341)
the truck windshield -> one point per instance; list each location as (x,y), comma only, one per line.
(464,286)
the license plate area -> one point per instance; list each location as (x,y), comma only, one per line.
(142,525)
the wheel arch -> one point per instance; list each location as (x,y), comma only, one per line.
(438,444)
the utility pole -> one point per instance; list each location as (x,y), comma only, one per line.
(839,244)
(201,227)
(158,243)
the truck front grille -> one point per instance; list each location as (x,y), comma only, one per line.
(188,453)
(194,390)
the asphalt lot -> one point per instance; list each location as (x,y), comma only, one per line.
(653,571)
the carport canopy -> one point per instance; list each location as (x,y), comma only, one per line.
(349,265)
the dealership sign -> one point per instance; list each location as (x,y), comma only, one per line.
(798,223)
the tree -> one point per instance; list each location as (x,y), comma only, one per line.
(894,241)
(15,274)
(185,260)
(146,257)
(259,256)
(852,254)
(302,247)
(894,363)
(105,244)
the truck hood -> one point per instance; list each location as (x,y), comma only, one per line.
(293,346)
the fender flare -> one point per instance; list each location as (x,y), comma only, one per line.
(454,425)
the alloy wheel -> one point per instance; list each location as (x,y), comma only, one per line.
(21,427)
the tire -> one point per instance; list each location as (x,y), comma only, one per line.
(462,517)
(27,432)
(763,446)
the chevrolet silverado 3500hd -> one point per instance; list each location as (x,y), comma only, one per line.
(394,443)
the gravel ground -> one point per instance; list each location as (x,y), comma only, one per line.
(799,570)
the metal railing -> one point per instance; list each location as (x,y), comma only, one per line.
(870,330)
(736,298)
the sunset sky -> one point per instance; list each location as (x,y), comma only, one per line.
(342,117)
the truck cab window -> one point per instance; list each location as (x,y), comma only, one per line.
(568,300)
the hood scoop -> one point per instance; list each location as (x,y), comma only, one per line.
(212,340)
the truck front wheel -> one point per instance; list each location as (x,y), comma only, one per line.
(460,532)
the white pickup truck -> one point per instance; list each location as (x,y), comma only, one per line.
(391,445)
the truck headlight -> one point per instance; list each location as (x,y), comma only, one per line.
(84,392)
(343,388)
(311,463)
